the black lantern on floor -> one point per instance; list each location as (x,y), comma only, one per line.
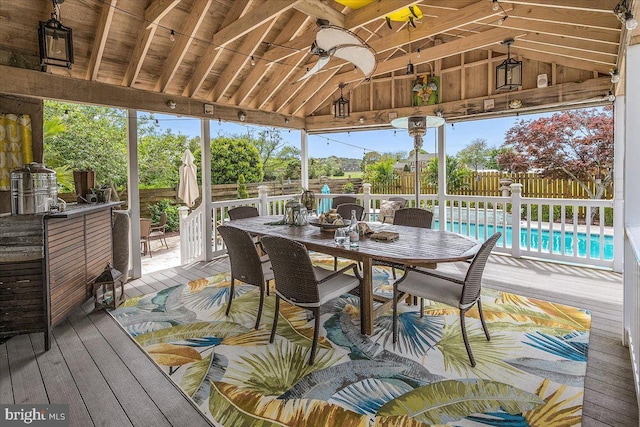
(56,43)
(509,73)
(105,289)
(341,105)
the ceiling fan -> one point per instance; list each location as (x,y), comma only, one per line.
(336,41)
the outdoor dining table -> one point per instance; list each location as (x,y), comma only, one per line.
(414,246)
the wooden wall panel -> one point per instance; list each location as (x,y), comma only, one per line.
(450,83)
(402,95)
(382,95)
(476,81)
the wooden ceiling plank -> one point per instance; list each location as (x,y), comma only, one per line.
(555,58)
(239,60)
(102,32)
(184,37)
(289,31)
(319,10)
(152,15)
(558,29)
(448,21)
(211,55)
(569,53)
(278,80)
(259,15)
(157,10)
(602,6)
(608,22)
(323,86)
(374,11)
(277,100)
(578,44)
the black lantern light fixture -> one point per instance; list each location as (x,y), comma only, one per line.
(341,105)
(56,43)
(509,72)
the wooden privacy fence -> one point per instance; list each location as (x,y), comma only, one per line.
(487,184)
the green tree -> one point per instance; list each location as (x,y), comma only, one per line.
(268,143)
(369,158)
(64,175)
(159,158)
(475,155)
(493,156)
(456,174)
(242,188)
(381,172)
(232,156)
(94,138)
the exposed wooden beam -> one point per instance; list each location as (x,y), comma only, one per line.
(608,60)
(280,76)
(571,43)
(316,91)
(281,98)
(319,10)
(184,37)
(607,21)
(602,6)
(375,11)
(239,60)
(212,53)
(158,10)
(256,76)
(555,58)
(554,97)
(320,96)
(35,84)
(102,32)
(559,29)
(153,14)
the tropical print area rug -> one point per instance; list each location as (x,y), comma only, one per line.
(531,373)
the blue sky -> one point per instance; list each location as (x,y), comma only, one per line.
(353,145)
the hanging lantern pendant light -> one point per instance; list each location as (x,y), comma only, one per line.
(509,72)
(341,105)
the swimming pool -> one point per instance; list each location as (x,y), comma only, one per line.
(544,238)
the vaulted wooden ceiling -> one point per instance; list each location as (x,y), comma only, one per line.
(247,55)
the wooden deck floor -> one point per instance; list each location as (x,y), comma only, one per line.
(108,381)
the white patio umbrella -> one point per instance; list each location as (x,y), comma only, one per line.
(188,187)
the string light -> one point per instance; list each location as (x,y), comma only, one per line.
(253,61)
(172,36)
(495,6)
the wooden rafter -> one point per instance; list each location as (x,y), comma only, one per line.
(571,43)
(318,10)
(265,11)
(152,15)
(603,6)
(318,84)
(183,40)
(279,79)
(102,32)
(605,21)
(296,23)
(239,60)
(560,29)
(320,96)
(545,56)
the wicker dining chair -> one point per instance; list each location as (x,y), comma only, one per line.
(241,212)
(447,290)
(246,264)
(411,217)
(339,200)
(301,283)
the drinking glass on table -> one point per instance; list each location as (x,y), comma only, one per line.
(340,236)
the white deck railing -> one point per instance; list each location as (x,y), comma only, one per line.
(632,300)
(568,230)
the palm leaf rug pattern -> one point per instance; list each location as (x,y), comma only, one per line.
(531,373)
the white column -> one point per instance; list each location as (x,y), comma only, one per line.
(133,192)
(618,184)
(304,159)
(442,177)
(631,195)
(205,140)
(263,194)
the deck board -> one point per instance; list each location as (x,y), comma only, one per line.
(90,348)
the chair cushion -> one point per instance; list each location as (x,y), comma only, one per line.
(432,288)
(267,271)
(333,288)
(388,210)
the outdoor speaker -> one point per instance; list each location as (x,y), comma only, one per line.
(543,81)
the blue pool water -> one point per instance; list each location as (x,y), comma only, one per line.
(542,237)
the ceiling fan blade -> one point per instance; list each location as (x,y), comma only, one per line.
(331,36)
(360,56)
(322,61)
